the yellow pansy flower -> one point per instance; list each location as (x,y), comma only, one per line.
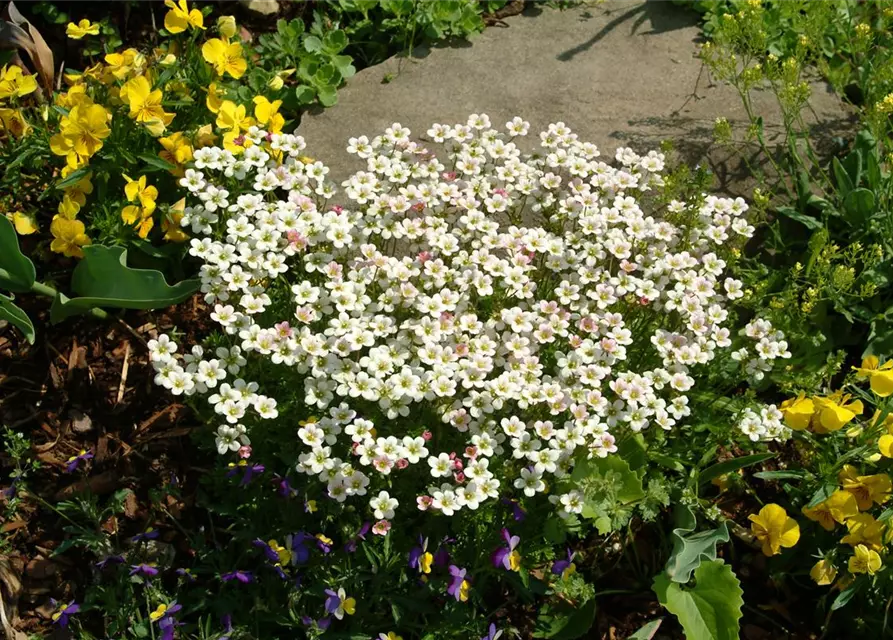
(87,127)
(233,117)
(180,18)
(69,207)
(839,506)
(425,561)
(864,529)
(797,412)
(214,99)
(880,377)
(463,591)
(834,412)
(177,150)
(226,25)
(283,553)
(774,528)
(885,444)
(139,190)
(82,28)
(823,572)
(866,489)
(865,560)
(267,113)
(158,614)
(24,224)
(170,224)
(14,83)
(145,104)
(13,120)
(225,56)
(68,237)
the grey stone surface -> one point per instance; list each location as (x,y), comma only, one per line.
(619,73)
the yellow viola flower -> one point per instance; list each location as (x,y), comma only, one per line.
(464,588)
(865,560)
(839,506)
(267,113)
(214,99)
(158,614)
(226,57)
(392,636)
(880,377)
(283,553)
(864,529)
(834,412)
(233,117)
(226,25)
(14,83)
(425,562)
(13,121)
(145,104)
(69,207)
(132,213)
(180,18)
(823,572)
(885,444)
(170,225)
(87,127)
(867,490)
(276,83)
(798,412)
(68,237)
(24,224)
(139,190)
(774,528)
(177,150)
(82,28)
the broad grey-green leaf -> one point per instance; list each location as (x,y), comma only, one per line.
(103,279)
(647,632)
(691,549)
(711,609)
(17,272)
(13,314)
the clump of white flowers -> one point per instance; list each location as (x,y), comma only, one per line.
(527,301)
(766,425)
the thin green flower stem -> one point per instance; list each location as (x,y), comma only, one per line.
(44,290)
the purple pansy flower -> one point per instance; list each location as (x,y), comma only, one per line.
(506,557)
(164,616)
(560,566)
(272,556)
(442,557)
(186,574)
(143,569)
(517,512)
(300,552)
(351,546)
(242,576)
(61,616)
(72,463)
(109,560)
(333,601)
(148,534)
(457,577)
(493,634)
(249,469)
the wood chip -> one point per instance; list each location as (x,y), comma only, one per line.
(124,369)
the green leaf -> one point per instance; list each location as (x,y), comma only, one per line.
(579,623)
(312,44)
(73,178)
(780,475)
(554,531)
(845,596)
(17,272)
(305,94)
(843,180)
(158,163)
(858,206)
(328,96)
(334,41)
(710,610)
(561,622)
(691,549)
(669,462)
(630,488)
(13,314)
(103,279)
(808,221)
(632,449)
(729,466)
(647,632)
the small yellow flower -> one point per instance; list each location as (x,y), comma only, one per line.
(774,528)
(170,224)
(267,113)
(233,117)
(834,412)
(120,65)
(880,377)
(283,553)
(139,190)
(145,104)
(68,237)
(463,591)
(214,99)
(24,224)
(885,445)
(180,18)
(311,506)
(14,83)
(177,151)
(69,207)
(86,128)
(324,539)
(425,561)
(158,614)
(864,529)
(867,490)
(839,506)
(226,25)
(798,412)
(865,560)
(226,57)
(81,29)
(13,120)
(823,572)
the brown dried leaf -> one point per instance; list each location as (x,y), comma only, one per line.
(41,55)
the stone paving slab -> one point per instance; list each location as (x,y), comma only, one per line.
(620,73)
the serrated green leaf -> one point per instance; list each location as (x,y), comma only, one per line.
(711,609)
(17,272)
(312,44)
(335,41)
(691,549)
(729,466)
(13,314)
